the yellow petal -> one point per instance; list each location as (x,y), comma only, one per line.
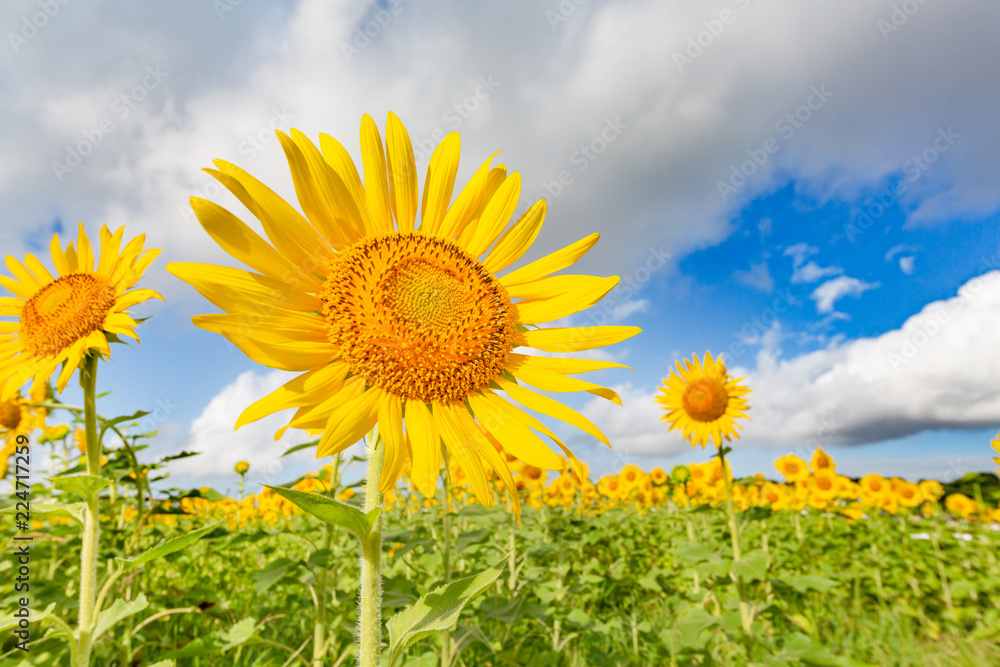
(299,356)
(390,427)
(550,407)
(539,378)
(577,298)
(349,423)
(516,240)
(282,329)
(483,449)
(551,263)
(402,174)
(516,438)
(302,390)
(37,268)
(376,185)
(465,205)
(28,281)
(564,365)
(573,339)
(58,257)
(495,216)
(462,447)
(340,161)
(292,235)
(439,183)
(84,253)
(425,442)
(238,290)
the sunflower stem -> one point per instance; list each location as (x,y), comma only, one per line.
(446,556)
(91,525)
(370,622)
(746,618)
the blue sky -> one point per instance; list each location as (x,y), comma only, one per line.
(805,190)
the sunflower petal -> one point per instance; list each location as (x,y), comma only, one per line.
(301,390)
(439,183)
(376,185)
(575,299)
(402,174)
(573,339)
(425,443)
(551,263)
(516,438)
(349,423)
(516,240)
(390,427)
(550,407)
(495,216)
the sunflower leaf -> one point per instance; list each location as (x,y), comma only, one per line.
(119,610)
(166,547)
(332,511)
(304,445)
(436,611)
(82,486)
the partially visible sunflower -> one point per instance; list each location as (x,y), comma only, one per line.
(395,324)
(703,401)
(822,461)
(996,446)
(18,418)
(62,318)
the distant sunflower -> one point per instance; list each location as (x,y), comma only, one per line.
(399,324)
(996,447)
(822,461)
(61,319)
(703,401)
(17,417)
(792,467)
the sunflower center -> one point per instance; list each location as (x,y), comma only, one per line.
(705,400)
(417,316)
(65,311)
(10,415)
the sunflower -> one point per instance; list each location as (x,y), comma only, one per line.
(64,318)
(824,484)
(703,401)
(996,446)
(408,327)
(822,461)
(792,467)
(18,418)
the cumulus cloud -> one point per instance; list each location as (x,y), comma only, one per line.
(758,277)
(827,294)
(635,428)
(608,129)
(221,446)
(906,264)
(937,371)
(808,272)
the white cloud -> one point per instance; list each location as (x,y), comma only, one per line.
(938,370)
(758,277)
(906,264)
(221,446)
(811,272)
(827,294)
(635,428)
(799,253)
(897,249)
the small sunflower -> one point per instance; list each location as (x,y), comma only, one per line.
(703,401)
(822,461)
(397,324)
(63,318)
(824,484)
(996,447)
(792,467)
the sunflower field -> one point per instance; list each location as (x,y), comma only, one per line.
(475,537)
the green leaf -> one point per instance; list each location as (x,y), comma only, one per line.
(239,633)
(124,418)
(296,448)
(81,486)
(753,566)
(163,663)
(118,610)
(271,574)
(436,611)
(178,456)
(804,582)
(693,623)
(9,621)
(169,546)
(332,511)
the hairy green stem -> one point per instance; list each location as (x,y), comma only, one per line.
(92,520)
(746,620)
(370,621)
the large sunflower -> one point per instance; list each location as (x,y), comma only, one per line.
(703,401)
(63,318)
(397,323)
